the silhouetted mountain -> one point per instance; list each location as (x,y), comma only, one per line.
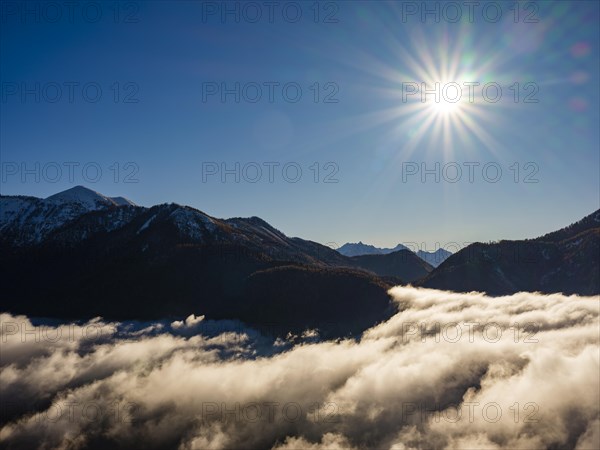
(297,292)
(403,264)
(80,254)
(360,249)
(434,258)
(567,260)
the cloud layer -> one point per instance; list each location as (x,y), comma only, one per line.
(448,371)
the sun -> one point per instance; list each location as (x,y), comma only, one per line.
(445,108)
(432,94)
(447,101)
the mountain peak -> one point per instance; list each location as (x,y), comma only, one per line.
(88,198)
(81,194)
(76,190)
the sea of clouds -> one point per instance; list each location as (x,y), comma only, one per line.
(448,371)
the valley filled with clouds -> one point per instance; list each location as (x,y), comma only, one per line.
(447,371)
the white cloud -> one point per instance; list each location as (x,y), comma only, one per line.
(448,371)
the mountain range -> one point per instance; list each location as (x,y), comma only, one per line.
(79,254)
(360,249)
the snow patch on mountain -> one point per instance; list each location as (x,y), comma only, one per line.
(146,224)
(192,223)
(12,208)
(28,220)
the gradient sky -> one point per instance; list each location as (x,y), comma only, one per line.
(370,134)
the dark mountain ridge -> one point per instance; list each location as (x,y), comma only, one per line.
(87,258)
(403,264)
(567,260)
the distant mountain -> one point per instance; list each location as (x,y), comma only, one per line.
(434,258)
(403,264)
(359,249)
(567,260)
(79,254)
(351,249)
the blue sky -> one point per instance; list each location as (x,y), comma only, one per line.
(367,140)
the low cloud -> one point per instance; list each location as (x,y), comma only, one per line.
(448,371)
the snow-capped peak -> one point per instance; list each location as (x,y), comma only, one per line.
(87,198)
(29,219)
